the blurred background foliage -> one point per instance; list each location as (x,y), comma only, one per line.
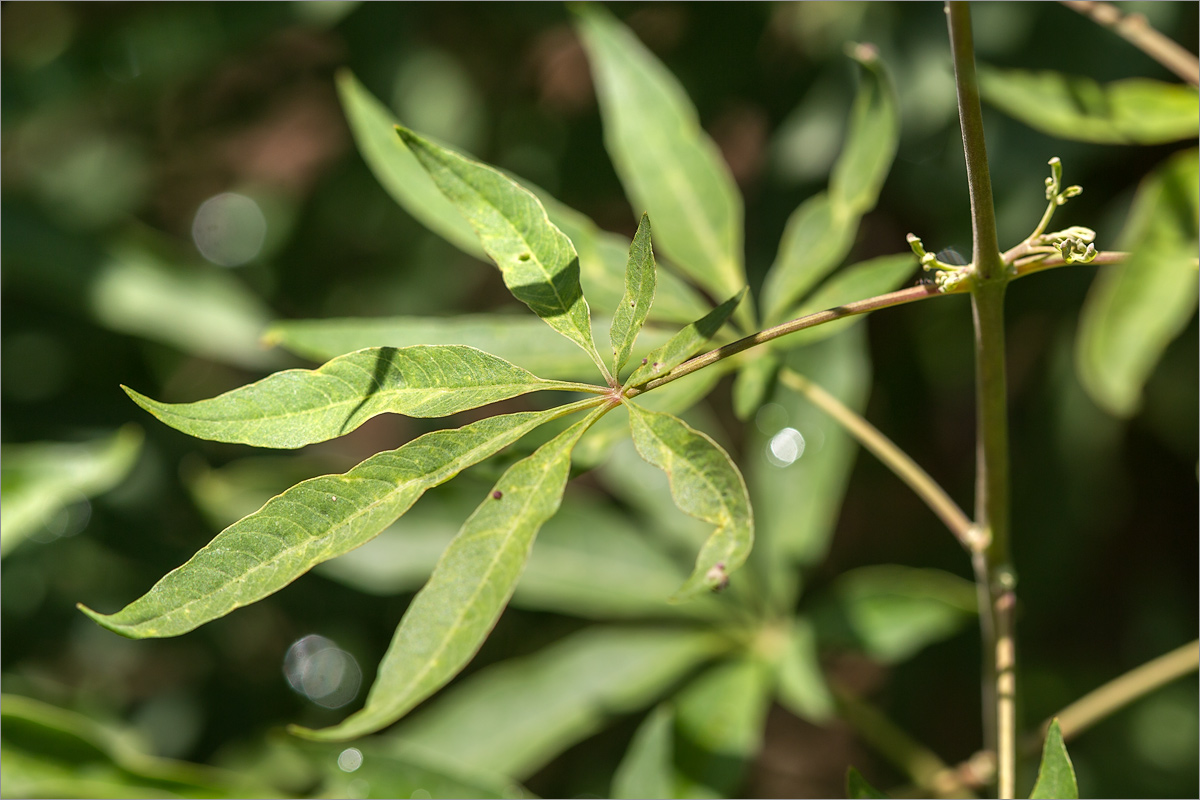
(178,175)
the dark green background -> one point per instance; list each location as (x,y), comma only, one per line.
(120,119)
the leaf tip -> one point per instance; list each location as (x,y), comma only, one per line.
(103,620)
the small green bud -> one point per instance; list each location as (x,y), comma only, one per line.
(1055,179)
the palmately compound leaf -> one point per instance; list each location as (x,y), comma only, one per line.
(312,522)
(639,296)
(684,344)
(539,264)
(1056,775)
(667,163)
(448,620)
(706,484)
(297,407)
(820,232)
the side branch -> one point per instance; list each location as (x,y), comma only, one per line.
(901,297)
(1134,29)
(886,451)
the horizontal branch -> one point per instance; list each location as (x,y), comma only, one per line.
(898,298)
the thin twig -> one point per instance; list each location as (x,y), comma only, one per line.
(901,297)
(1100,703)
(1120,692)
(1134,29)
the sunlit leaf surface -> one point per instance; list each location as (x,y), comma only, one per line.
(635,304)
(686,343)
(705,484)
(538,262)
(314,521)
(1056,775)
(395,167)
(470,586)
(297,407)
(667,163)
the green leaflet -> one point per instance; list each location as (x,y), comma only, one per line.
(648,768)
(865,279)
(516,716)
(404,772)
(298,406)
(1056,775)
(602,260)
(891,612)
(1135,309)
(517,338)
(314,521)
(667,164)
(53,752)
(706,484)
(754,383)
(635,304)
(872,138)
(820,233)
(43,479)
(684,344)
(399,172)
(538,262)
(802,688)
(203,310)
(590,561)
(721,715)
(601,254)
(451,616)
(1131,111)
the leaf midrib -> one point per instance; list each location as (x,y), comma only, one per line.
(167,409)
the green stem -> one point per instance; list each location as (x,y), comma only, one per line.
(886,451)
(986,245)
(993,566)
(901,297)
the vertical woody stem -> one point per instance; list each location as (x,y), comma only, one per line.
(992,561)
